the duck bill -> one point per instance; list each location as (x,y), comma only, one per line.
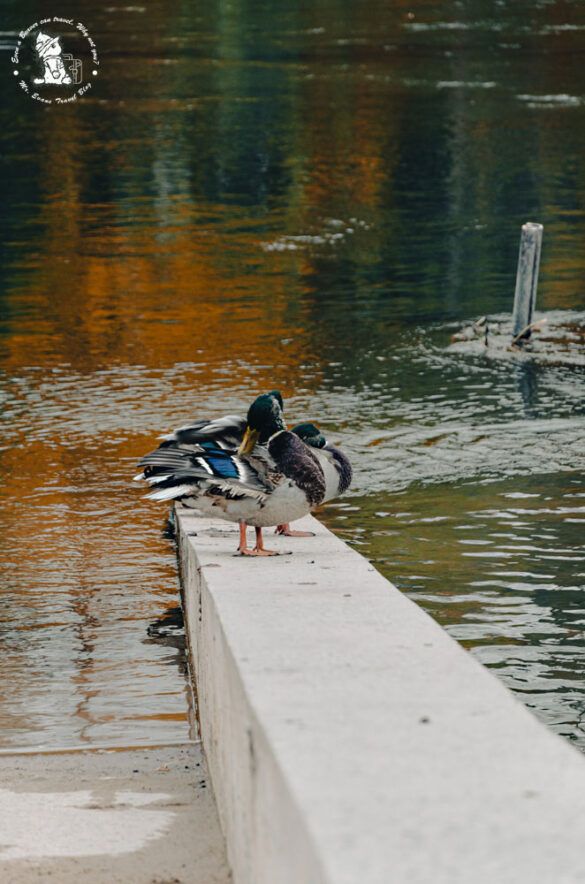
(249,440)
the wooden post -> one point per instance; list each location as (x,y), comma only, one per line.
(526,278)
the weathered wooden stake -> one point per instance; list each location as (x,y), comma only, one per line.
(526,278)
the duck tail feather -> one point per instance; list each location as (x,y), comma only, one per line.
(172,493)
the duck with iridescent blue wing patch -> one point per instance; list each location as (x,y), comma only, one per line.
(223,434)
(273,478)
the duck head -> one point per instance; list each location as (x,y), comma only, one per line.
(263,420)
(310,435)
(276,395)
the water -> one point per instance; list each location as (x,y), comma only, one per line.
(314,198)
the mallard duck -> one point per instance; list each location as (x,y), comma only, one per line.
(334,463)
(225,433)
(273,477)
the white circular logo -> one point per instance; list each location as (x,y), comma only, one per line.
(55,60)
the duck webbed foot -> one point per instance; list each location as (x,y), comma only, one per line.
(287,531)
(259,549)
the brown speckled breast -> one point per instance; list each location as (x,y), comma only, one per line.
(298,463)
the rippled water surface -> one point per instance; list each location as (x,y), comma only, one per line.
(316,198)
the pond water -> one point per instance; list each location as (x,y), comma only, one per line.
(314,198)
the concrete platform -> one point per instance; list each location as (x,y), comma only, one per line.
(143,816)
(349,739)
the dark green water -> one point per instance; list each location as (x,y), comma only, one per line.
(312,197)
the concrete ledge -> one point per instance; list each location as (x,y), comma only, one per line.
(349,739)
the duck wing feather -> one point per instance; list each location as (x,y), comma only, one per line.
(224,432)
(180,472)
(340,461)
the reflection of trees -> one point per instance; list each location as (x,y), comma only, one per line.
(151,208)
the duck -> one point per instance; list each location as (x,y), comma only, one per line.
(225,433)
(335,464)
(273,477)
